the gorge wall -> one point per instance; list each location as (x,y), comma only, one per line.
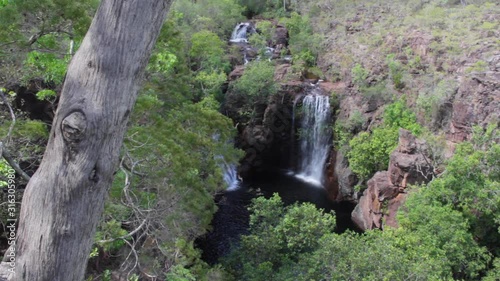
(459,99)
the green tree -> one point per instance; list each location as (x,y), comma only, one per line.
(169,173)
(257,82)
(278,236)
(304,44)
(49,31)
(59,213)
(207,51)
(218,16)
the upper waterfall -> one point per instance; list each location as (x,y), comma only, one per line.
(315,138)
(241,32)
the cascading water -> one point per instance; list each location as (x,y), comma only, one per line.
(315,138)
(231,176)
(230,171)
(239,34)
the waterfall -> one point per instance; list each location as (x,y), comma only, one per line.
(239,34)
(231,176)
(230,171)
(315,138)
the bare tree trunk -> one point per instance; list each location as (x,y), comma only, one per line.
(64,199)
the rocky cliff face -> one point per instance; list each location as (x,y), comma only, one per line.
(379,203)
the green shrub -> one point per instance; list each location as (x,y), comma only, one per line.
(207,51)
(395,72)
(369,152)
(257,82)
(359,75)
(278,236)
(398,115)
(304,44)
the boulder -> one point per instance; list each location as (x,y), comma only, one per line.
(280,37)
(236,73)
(369,212)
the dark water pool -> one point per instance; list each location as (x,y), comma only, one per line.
(231,220)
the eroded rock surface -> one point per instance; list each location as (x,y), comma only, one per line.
(379,203)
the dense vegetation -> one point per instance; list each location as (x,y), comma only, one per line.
(177,140)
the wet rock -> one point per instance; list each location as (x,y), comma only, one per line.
(345,178)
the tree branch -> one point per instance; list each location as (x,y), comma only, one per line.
(124,236)
(8,157)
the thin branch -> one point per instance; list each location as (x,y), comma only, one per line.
(126,235)
(135,255)
(431,167)
(7,43)
(8,157)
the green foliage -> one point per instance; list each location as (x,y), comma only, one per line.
(296,243)
(370,151)
(47,66)
(304,44)
(179,273)
(4,172)
(111,230)
(278,236)
(218,16)
(207,51)
(478,66)
(211,81)
(46,94)
(173,154)
(493,274)
(429,103)
(440,232)
(456,216)
(398,115)
(257,82)
(395,72)
(359,75)
(374,255)
(168,71)
(28,130)
(263,37)
(47,30)
(345,130)
(265,8)
(471,185)
(163,62)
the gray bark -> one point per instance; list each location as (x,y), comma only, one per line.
(64,199)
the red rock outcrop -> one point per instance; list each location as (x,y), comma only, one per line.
(379,203)
(476,102)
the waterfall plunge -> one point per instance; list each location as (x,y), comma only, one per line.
(315,138)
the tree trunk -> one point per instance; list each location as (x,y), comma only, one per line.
(64,199)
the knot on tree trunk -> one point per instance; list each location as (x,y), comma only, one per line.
(73,126)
